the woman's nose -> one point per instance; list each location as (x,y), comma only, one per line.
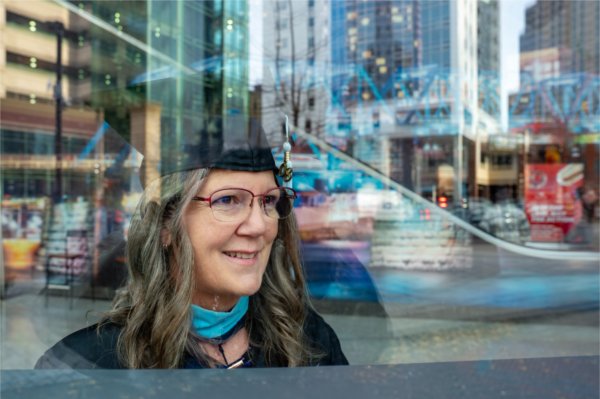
(256,220)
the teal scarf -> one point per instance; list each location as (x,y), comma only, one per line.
(209,324)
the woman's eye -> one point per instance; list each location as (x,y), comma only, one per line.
(225,200)
(270,200)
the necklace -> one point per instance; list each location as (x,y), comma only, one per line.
(243,361)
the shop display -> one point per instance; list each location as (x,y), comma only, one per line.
(66,244)
(22,225)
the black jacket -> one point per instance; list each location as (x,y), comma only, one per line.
(90,349)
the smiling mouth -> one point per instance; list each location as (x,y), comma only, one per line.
(241,255)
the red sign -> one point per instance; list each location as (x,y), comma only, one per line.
(551,202)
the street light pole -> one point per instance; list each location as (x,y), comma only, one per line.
(59,30)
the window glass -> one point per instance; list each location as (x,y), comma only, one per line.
(445,158)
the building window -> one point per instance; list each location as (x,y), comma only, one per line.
(307,125)
(502,161)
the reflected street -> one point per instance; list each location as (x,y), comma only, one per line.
(521,284)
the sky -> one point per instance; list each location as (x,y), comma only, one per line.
(512,24)
(255,21)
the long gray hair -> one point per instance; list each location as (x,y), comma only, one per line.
(154,307)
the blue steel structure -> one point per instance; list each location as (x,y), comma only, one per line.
(421,97)
(571,100)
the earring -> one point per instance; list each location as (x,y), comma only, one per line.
(285,169)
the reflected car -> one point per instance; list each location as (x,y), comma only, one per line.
(472,210)
(504,219)
(507,221)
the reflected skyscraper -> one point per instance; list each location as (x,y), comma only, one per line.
(488,36)
(420,84)
(571,27)
(383,38)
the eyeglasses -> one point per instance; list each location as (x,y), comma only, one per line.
(234,204)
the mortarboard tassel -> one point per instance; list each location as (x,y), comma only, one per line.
(285,169)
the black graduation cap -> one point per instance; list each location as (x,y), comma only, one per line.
(234,142)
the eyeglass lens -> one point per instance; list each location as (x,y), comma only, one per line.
(233,204)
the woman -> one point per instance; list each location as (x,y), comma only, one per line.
(215,278)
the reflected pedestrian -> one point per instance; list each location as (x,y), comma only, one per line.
(589,201)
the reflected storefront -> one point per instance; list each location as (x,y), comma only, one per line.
(452,209)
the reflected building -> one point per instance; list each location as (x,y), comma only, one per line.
(559,63)
(297,41)
(419,85)
(383,38)
(488,57)
(185,66)
(488,36)
(570,27)
(32,112)
(28,48)
(141,67)
(560,53)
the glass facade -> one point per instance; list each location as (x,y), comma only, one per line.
(445,157)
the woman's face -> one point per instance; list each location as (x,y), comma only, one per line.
(230,257)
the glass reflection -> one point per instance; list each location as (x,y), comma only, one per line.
(453,209)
